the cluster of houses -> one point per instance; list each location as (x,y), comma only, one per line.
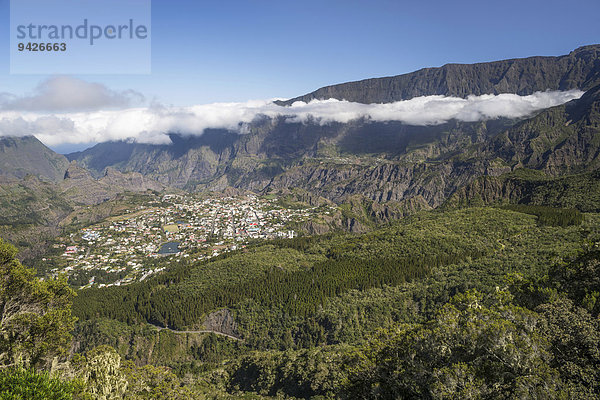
(177,226)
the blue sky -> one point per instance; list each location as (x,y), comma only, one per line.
(213,51)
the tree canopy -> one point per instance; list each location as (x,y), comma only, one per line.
(35,319)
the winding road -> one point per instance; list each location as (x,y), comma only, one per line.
(160,328)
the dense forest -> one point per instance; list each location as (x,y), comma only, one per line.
(332,266)
(484,302)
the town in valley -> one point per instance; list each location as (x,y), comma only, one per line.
(144,240)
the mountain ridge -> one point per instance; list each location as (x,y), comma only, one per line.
(580,69)
(390,165)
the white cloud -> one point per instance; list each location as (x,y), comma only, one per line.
(152,124)
(65,93)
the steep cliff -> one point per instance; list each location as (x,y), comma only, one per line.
(579,69)
(561,140)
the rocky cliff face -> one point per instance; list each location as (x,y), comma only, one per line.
(561,140)
(388,182)
(132,181)
(384,162)
(79,187)
(580,69)
(275,149)
(187,161)
(397,166)
(581,191)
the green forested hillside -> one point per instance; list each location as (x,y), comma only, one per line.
(300,282)
(334,315)
(478,301)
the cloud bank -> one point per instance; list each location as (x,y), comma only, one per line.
(152,124)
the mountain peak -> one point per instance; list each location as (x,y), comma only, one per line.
(23,155)
(590,48)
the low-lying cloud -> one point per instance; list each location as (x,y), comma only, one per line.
(153,124)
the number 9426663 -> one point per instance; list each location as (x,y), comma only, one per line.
(42,46)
